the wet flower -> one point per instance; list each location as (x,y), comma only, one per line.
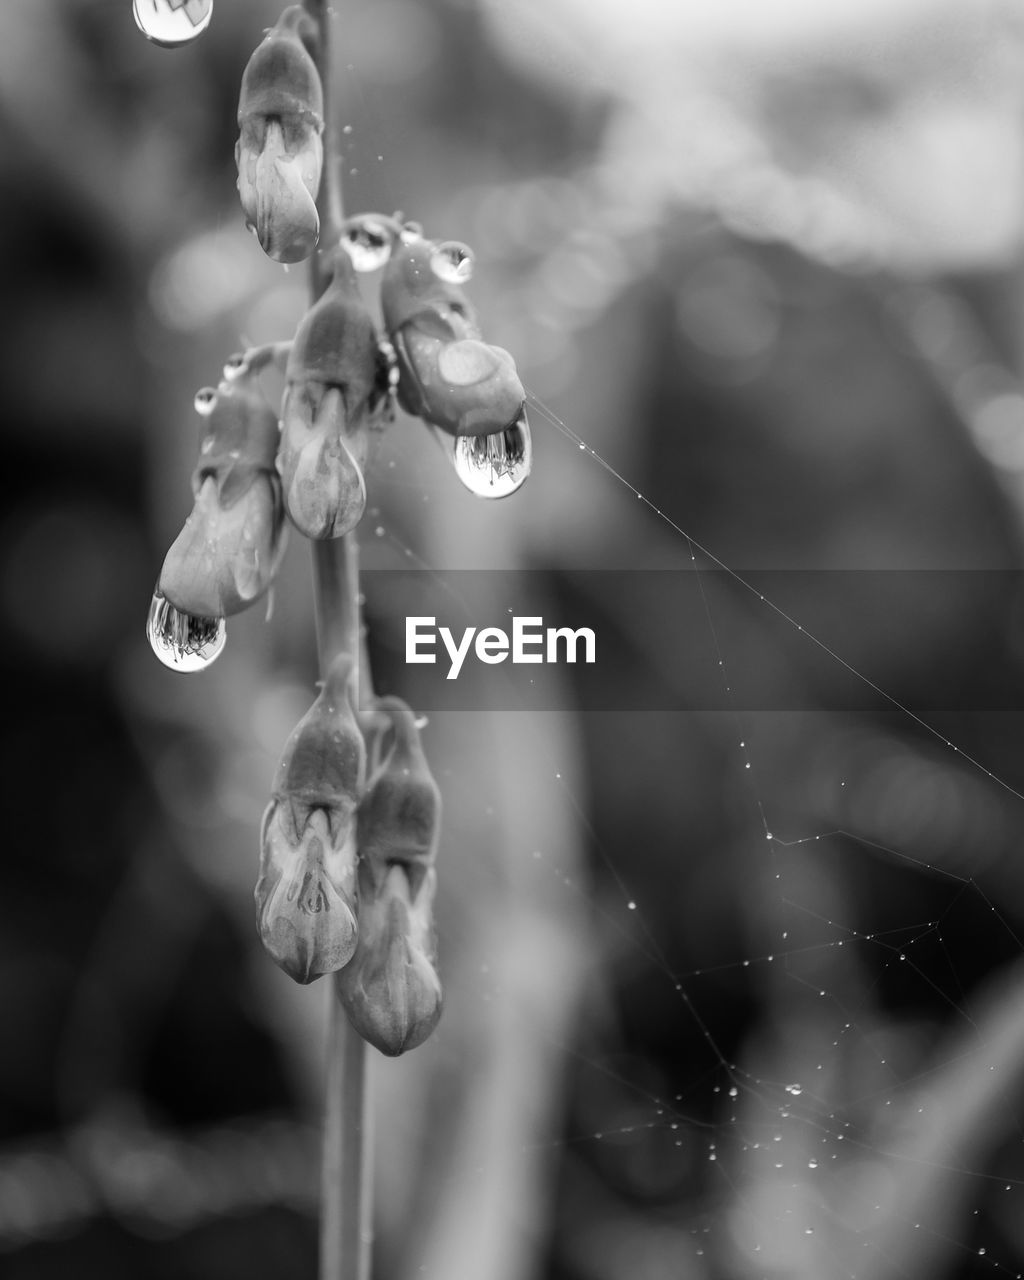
(227,553)
(337,380)
(306,891)
(448,376)
(390,988)
(279,153)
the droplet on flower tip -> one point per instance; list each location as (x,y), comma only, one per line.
(235,366)
(183,641)
(172,23)
(206,398)
(452,262)
(497,465)
(368,244)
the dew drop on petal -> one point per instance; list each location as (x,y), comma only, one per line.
(235,366)
(452,262)
(367,243)
(205,399)
(172,22)
(183,641)
(496,465)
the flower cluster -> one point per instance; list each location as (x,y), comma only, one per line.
(347,874)
(349,840)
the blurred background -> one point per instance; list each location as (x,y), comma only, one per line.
(730,993)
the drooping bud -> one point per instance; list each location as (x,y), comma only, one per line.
(449,377)
(279,153)
(227,553)
(400,816)
(331,406)
(390,988)
(306,891)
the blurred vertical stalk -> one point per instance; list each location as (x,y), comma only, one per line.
(346,1200)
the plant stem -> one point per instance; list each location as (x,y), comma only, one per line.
(346,1200)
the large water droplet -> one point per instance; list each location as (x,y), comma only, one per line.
(452,262)
(172,22)
(368,244)
(206,398)
(183,641)
(495,466)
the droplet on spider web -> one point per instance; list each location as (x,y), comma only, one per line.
(183,641)
(367,243)
(496,465)
(172,23)
(452,262)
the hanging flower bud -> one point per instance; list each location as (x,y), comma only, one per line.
(279,153)
(448,377)
(331,404)
(227,554)
(306,890)
(390,988)
(400,816)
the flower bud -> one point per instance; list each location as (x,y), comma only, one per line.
(400,816)
(332,396)
(448,376)
(279,153)
(306,891)
(390,988)
(227,554)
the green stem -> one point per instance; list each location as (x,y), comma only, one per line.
(346,1192)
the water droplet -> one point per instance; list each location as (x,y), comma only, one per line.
(631,905)
(235,366)
(205,399)
(733,1092)
(368,243)
(421,722)
(812,1164)
(495,466)
(452,262)
(172,22)
(183,641)
(795,1089)
(346,129)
